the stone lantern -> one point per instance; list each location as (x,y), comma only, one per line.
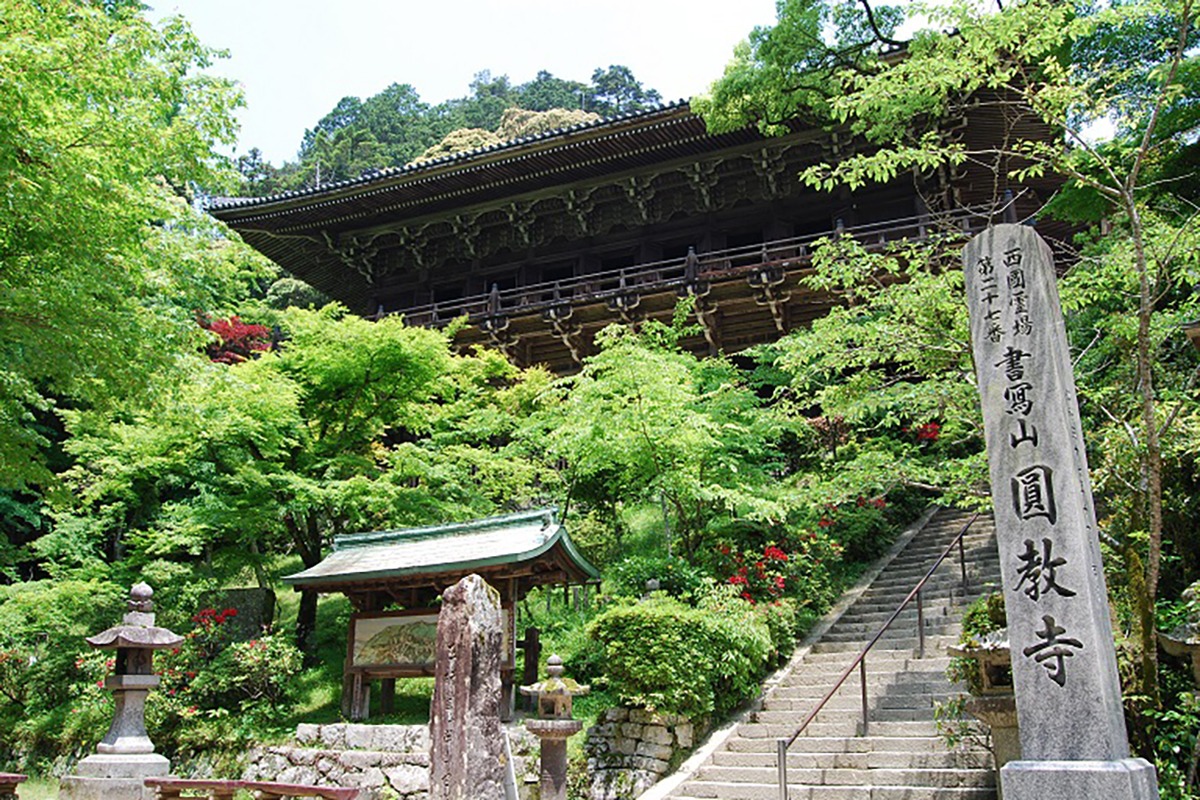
(1184,640)
(995,705)
(126,755)
(1192,331)
(554,725)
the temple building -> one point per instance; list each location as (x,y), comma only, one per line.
(541,242)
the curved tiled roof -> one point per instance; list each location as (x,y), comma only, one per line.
(383,173)
(398,555)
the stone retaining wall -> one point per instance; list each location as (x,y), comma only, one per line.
(387,762)
(630,749)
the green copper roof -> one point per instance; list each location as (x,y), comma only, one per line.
(508,539)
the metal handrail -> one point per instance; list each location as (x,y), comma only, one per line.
(659,275)
(782,745)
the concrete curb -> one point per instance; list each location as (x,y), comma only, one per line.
(719,736)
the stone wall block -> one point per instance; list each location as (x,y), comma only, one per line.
(657,734)
(333,736)
(307,734)
(408,779)
(685,735)
(361,737)
(632,730)
(302,757)
(618,714)
(660,751)
(359,759)
(641,715)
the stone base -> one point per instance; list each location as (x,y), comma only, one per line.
(75,787)
(1128,779)
(113,777)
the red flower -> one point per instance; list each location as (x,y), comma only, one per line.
(929,432)
(879,502)
(724,549)
(773,553)
(825,522)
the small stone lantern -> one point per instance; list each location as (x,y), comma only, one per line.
(554,725)
(995,705)
(1184,641)
(126,755)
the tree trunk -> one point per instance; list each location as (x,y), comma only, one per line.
(306,627)
(1151,461)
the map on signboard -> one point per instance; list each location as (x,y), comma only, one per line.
(395,641)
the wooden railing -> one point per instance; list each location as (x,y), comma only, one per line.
(789,254)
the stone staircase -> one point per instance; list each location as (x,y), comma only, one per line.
(902,757)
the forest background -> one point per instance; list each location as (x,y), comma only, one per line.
(176,410)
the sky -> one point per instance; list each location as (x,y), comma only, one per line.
(296,58)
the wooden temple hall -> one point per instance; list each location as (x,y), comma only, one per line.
(541,242)
(409,569)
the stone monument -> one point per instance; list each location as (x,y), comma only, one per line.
(468,758)
(1072,726)
(126,755)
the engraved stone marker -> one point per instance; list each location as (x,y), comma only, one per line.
(467,758)
(1063,661)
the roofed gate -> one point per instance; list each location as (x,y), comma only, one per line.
(394,579)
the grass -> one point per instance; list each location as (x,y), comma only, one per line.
(39,789)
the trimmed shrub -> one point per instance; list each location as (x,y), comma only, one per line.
(671,658)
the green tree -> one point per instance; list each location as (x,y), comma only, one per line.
(349,425)
(103,119)
(545,92)
(616,91)
(645,422)
(1064,67)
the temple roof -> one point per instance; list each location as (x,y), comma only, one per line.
(503,149)
(305,231)
(511,541)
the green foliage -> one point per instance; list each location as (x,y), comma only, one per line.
(103,118)
(879,396)
(676,577)
(672,658)
(795,68)
(644,422)
(396,127)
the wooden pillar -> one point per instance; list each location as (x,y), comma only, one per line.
(387,695)
(532,646)
(360,697)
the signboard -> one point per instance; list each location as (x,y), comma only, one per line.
(405,642)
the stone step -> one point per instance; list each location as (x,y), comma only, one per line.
(770,791)
(893,684)
(902,758)
(876,743)
(877,700)
(846,726)
(955,759)
(838,714)
(934,777)
(852,642)
(895,660)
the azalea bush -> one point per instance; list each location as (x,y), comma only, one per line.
(218,694)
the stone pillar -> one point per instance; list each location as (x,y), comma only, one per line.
(467,759)
(1072,724)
